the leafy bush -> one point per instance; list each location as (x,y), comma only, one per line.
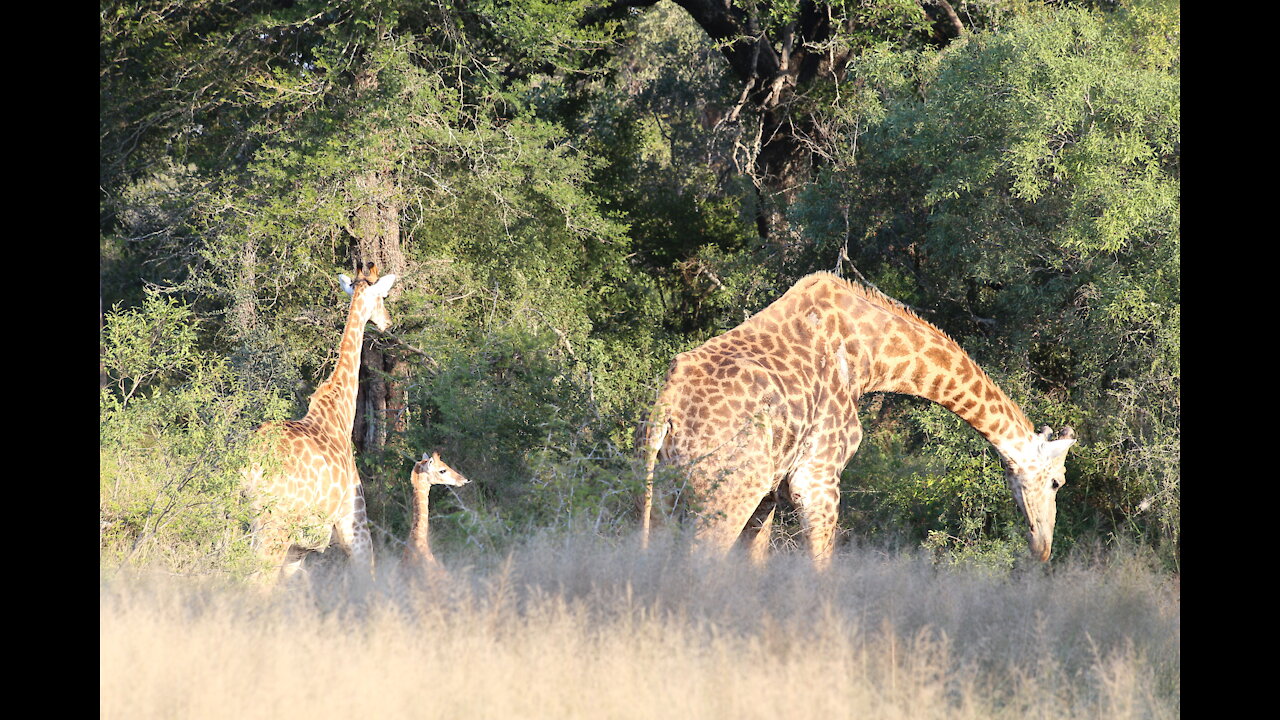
(176,432)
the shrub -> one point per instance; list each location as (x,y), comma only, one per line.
(175,432)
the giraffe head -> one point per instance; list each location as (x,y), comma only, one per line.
(431,470)
(1034,477)
(367,293)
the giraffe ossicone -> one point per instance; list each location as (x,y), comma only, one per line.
(317,478)
(768,410)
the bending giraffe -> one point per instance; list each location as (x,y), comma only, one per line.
(428,471)
(769,410)
(317,480)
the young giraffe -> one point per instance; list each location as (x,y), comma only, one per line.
(769,409)
(318,475)
(428,471)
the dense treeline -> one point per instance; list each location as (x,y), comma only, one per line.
(573,192)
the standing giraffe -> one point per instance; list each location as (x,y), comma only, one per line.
(769,409)
(317,478)
(428,471)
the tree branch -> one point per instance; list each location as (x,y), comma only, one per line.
(948,20)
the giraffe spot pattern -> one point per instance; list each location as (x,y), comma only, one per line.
(771,405)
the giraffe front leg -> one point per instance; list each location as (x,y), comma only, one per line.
(352,535)
(351,532)
(815,491)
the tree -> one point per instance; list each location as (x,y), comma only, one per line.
(789,57)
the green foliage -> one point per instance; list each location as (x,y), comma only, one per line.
(655,121)
(174,439)
(1061,113)
(923,478)
(148,347)
(507,397)
(854,22)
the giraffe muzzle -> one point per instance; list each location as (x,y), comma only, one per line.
(1040,543)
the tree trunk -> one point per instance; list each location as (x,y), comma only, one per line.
(376,226)
(771,69)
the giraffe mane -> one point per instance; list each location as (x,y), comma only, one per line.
(322,390)
(878,298)
(326,387)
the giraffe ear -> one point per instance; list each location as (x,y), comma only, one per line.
(383,286)
(345,283)
(1056,448)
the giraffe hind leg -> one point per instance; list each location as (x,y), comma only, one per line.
(725,510)
(274,547)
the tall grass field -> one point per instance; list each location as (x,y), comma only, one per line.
(581,627)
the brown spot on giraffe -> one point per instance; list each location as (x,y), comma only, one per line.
(792,426)
(939,358)
(317,483)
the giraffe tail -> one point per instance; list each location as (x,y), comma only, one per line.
(655,435)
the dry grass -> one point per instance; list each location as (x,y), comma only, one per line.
(583,628)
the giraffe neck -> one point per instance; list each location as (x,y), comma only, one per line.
(940,371)
(419,537)
(888,348)
(333,404)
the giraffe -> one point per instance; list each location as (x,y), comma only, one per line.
(428,471)
(768,410)
(317,479)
